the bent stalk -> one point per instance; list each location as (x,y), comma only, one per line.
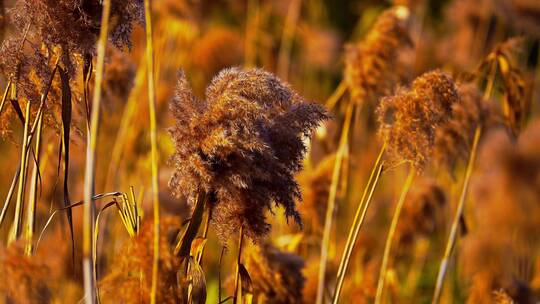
(359,217)
(455,223)
(391,233)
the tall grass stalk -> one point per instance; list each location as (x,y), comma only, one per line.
(287,38)
(391,232)
(19,205)
(359,218)
(153,143)
(237,284)
(336,173)
(4,96)
(455,223)
(33,199)
(89,208)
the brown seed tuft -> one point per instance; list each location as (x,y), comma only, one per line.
(410,118)
(242,145)
(370,65)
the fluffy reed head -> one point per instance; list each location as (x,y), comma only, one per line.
(370,65)
(410,118)
(422,213)
(500,251)
(242,145)
(276,276)
(454,138)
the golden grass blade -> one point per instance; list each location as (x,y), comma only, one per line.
(237,279)
(359,217)
(15,231)
(390,238)
(95,243)
(342,149)
(89,209)
(455,223)
(336,96)
(183,247)
(33,199)
(4,96)
(153,143)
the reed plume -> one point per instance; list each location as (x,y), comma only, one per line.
(276,275)
(409,120)
(242,146)
(453,140)
(370,65)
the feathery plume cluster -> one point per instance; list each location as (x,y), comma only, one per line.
(74,24)
(276,276)
(499,252)
(129,281)
(410,118)
(454,138)
(422,212)
(242,146)
(370,65)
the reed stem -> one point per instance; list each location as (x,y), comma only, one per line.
(19,205)
(359,218)
(237,290)
(32,203)
(89,178)
(153,143)
(455,223)
(391,232)
(342,150)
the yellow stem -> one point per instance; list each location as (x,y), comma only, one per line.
(359,217)
(287,38)
(342,149)
(391,233)
(455,223)
(89,208)
(237,288)
(153,143)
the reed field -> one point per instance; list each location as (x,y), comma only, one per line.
(270,151)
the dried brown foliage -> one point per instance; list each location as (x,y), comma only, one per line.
(276,276)
(422,213)
(370,65)
(454,138)
(242,145)
(130,279)
(499,252)
(409,119)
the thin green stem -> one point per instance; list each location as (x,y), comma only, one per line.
(90,168)
(359,218)
(455,223)
(391,232)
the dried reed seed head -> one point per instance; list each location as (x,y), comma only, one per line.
(75,24)
(422,213)
(242,145)
(370,65)
(130,279)
(408,120)
(454,138)
(276,276)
